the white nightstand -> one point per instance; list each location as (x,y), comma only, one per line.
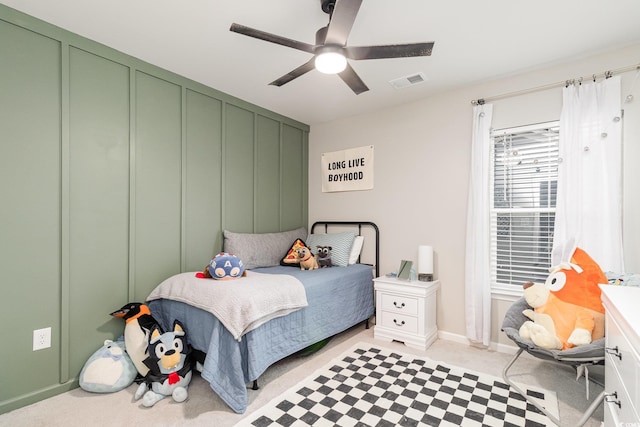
(406,311)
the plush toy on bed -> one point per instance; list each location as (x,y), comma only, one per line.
(306,259)
(324,256)
(568,310)
(223,266)
(108,370)
(170,367)
(291,258)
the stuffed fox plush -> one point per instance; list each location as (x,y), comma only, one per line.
(567,309)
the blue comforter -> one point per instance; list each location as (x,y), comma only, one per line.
(338,297)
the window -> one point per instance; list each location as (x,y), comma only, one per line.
(523,195)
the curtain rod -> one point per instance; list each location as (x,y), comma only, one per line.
(606,74)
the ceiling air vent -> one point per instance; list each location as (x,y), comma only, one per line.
(407,81)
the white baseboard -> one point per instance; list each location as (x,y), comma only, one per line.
(494,346)
(453,337)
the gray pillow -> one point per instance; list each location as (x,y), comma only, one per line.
(261,249)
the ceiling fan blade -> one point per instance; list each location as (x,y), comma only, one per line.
(294,74)
(389,51)
(342,18)
(352,80)
(262,35)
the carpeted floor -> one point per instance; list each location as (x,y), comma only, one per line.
(79,408)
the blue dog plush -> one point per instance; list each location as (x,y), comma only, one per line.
(170,367)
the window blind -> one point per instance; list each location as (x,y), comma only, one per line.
(523,193)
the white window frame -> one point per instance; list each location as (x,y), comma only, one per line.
(506,291)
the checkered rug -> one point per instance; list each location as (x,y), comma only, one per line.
(374,386)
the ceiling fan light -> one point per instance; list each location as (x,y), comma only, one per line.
(330,62)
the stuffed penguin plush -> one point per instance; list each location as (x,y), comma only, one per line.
(138,325)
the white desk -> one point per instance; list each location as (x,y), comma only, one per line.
(622,362)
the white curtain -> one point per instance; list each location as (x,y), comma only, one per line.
(589,199)
(477,260)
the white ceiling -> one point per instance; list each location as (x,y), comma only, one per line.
(474,41)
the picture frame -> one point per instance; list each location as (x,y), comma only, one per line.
(404,272)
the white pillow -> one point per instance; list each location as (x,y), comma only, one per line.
(356,248)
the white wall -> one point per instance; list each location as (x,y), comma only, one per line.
(422,155)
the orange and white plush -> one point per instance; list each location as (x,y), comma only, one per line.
(307,260)
(568,310)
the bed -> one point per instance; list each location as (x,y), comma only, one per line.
(337,299)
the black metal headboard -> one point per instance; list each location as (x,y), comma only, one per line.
(359,225)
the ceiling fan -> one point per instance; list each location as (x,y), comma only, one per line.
(331,50)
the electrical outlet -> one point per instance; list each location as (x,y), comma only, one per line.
(41,338)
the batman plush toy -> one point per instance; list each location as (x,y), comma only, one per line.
(170,366)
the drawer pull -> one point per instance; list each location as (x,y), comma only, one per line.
(401,305)
(614,351)
(613,398)
(401,323)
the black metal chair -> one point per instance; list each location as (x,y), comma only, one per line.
(580,357)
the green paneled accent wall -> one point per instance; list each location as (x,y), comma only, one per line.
(30,219)
(203,179)
(268,169)
(294,176)
(239,181)
(114,175)
(157,206)
(98,197)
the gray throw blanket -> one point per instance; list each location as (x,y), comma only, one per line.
(240,304)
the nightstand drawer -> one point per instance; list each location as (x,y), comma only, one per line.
(399,322)
(400,304)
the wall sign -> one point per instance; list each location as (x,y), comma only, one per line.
(348,170)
